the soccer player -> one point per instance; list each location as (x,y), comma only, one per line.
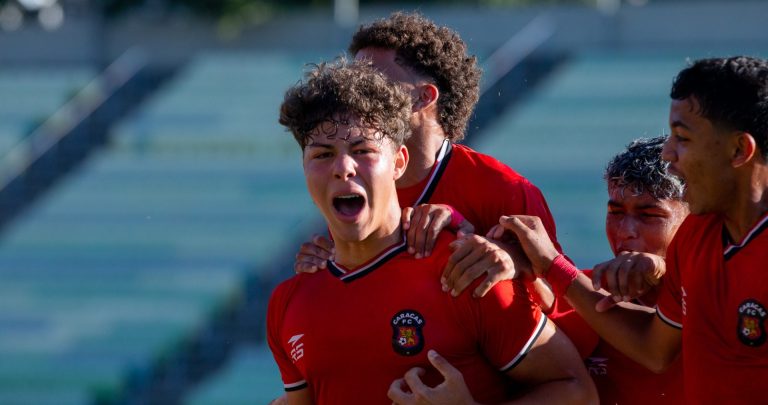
(345,334)
(712,308)
(645,209)
(432,64)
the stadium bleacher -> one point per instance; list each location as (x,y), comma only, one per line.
(30,95)
(562,137)
(142,242)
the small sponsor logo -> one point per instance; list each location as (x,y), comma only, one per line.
(407,332)
(751,329)
(297,347)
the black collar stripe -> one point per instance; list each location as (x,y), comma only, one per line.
(346,276)
(441,162)
(732,249)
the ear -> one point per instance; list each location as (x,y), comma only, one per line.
(426,96)
(401,161)
(744,149)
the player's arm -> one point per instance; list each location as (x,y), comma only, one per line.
(635,330)
(552,370)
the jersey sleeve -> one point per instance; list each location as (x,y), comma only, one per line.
(669,307)
(508,323)
(292,378)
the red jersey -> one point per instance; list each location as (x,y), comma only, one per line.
(619,379)
(717,293)
(347,334)
(479,187)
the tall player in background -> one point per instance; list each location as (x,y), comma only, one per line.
(714,304)
(344,335)
(432,64)
(645,209)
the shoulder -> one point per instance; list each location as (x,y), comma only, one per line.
(482,162)
(283,292)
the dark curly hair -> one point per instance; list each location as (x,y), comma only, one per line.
(336,92)
(434,52)
(640,169)
(732,93)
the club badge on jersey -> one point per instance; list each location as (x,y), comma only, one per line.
(407,332)
(751,330)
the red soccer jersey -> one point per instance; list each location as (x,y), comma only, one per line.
(619,379)
(479,187)
(347,334)
(718,294)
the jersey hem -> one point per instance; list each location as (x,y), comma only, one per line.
(295,386)
(668,320)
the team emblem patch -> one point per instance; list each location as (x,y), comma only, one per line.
(407,332)
(752,316)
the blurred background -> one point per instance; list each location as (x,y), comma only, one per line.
(149,201)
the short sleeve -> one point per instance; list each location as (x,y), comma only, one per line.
(510,322)
(292,378)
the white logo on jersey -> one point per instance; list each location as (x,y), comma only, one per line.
(297,348)
(684,295)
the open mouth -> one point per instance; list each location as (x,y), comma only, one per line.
(349,205)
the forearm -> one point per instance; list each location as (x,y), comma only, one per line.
(627,327)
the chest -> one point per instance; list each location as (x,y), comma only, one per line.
(726,298)
(379,326)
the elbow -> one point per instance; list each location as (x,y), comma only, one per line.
(659,363)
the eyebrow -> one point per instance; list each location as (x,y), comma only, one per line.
(678,123)
(640,207)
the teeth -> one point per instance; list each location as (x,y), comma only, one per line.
(348,196)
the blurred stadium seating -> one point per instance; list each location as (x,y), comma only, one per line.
(196,202)
(119,262)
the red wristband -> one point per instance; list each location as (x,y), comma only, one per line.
(561,274)
(456,218)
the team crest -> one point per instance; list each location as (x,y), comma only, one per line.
(407,332)
(752,317)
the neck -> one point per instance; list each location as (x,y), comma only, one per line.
(744,213)
(352,254)
(423,145)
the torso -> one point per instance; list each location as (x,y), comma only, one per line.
(720,296)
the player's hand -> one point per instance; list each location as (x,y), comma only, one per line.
(410,390)
(313,255)
(629,275)
(533,238)
(508,241)
(423,223)
(473,256)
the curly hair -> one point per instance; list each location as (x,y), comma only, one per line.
(732,92)
(640,169)
(336,92)
(432,51)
